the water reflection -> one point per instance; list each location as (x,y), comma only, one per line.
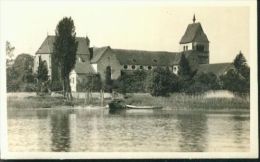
(95,129)
(238,129)
(193,132)
(60,131)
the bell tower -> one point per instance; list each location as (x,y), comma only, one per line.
(195,41)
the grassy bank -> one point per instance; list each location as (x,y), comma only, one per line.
(175,101)
(46,102)
(183,101)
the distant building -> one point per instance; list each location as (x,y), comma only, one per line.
(194,44)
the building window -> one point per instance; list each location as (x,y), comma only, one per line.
(183,48)
(133,66)
(149,67)
(125,66)
(200,47)
(141,67)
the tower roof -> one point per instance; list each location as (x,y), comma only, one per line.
(194,33)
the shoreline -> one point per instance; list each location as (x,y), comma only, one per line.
(179,111)
(176,101)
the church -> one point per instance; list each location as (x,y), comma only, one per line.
(194,44)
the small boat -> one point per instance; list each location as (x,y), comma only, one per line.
(143,107)
(116,104)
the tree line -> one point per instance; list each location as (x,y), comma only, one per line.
(161,81)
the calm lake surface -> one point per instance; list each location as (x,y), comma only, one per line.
(95,129)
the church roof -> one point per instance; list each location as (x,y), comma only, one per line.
(217,69)
(194,32)
(98,53)
(83,68)
(47,45)
(140,57)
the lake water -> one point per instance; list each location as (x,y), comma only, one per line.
(95,129)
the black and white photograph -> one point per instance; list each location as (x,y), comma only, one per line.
(128,79)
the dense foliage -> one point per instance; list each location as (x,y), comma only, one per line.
(131,81)
(42,77)
(203,82)
(238,79)
(108,80)
(64,55)
(90,83)
(20,75)
(162,82)
(185,74)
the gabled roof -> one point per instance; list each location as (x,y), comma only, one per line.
(83,68)
(47,46)
(98,53)
(217,69)
(194,32)
(139,57)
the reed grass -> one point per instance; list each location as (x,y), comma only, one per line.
(184,101)
(47,102)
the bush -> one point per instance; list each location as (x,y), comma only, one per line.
(202,83)
(235,82)
(162,82)
(27,87)
(56,86)
(19,76)
(131,81)
(91,82)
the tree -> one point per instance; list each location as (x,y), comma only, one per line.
(238,79)
(108,80)
(9,50)
(131,81)
(241,65)
(203,82)
(42,76)
(20,76)
(185,73)
(235,82)
(162,82)
(64,55)
(184,68)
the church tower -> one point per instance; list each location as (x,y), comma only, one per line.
(195,41)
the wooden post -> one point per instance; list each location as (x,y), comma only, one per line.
(85,98)
(102,97)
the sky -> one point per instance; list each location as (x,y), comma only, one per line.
(155,26)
